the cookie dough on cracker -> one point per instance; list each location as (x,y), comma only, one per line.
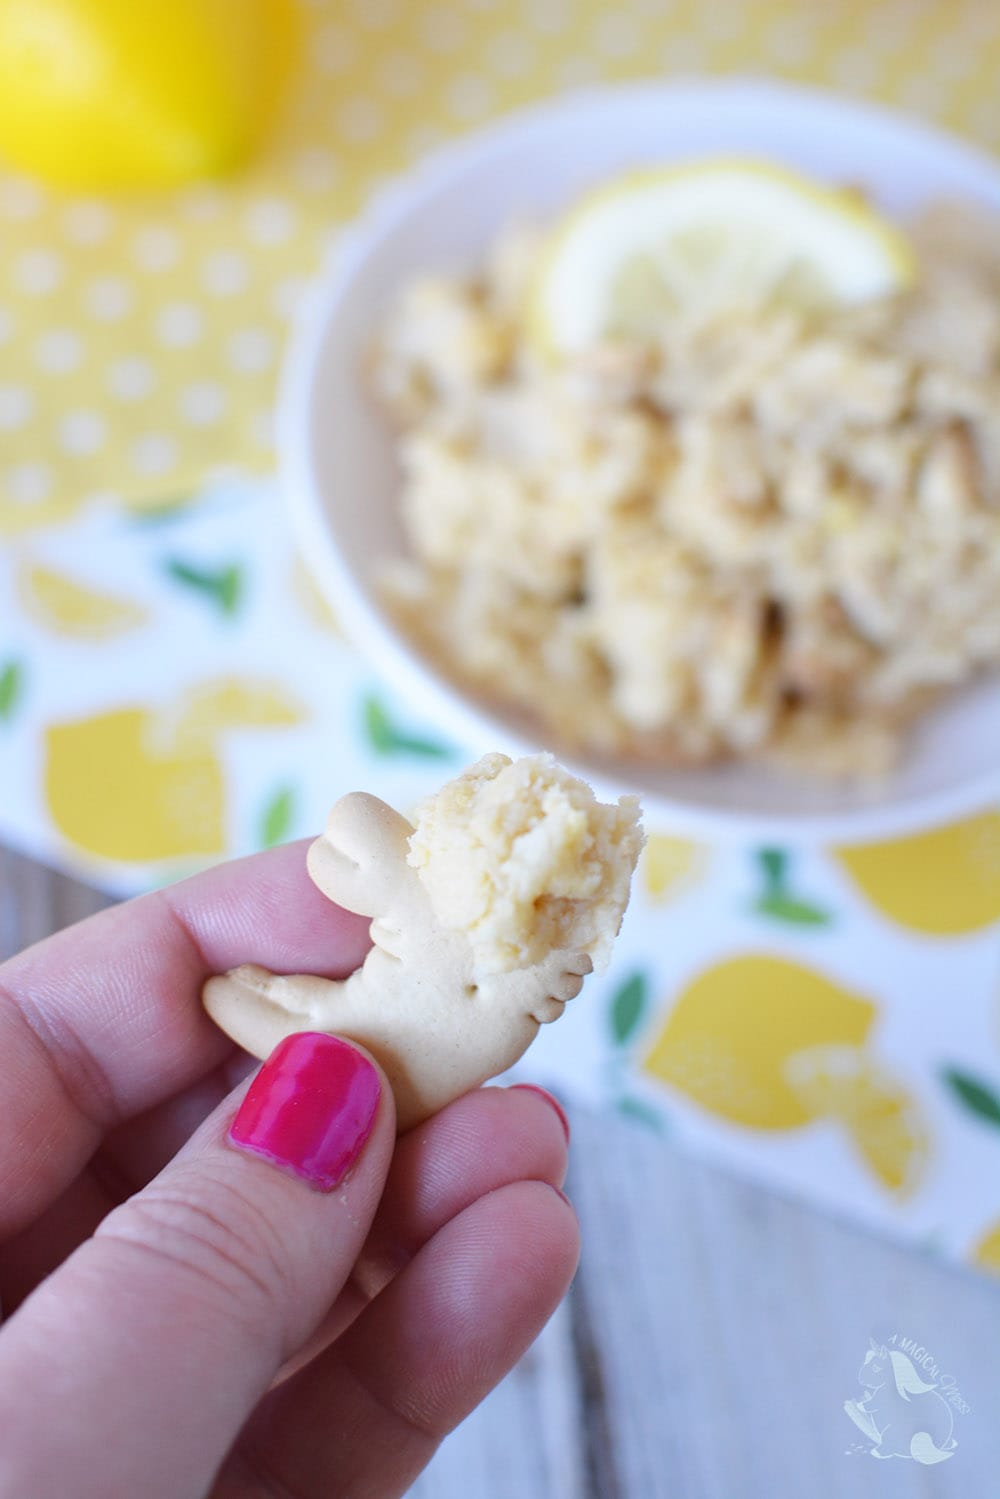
(486,917)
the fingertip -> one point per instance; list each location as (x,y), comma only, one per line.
(549,1099)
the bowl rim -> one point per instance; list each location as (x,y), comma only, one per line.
(388,651)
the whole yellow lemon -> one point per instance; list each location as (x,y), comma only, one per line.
(108,94)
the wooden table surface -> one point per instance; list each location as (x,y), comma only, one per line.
(712,1335)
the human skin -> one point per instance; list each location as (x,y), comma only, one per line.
(182,1317)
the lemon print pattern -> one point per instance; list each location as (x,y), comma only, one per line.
(986,1251)
(726,1040)
(883,1121)
(63,606)
(671,865)
(945,883)
(139,96)
(146,785)
(772,1045)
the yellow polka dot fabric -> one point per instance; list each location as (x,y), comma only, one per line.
(139,339)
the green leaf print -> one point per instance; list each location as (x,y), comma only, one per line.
(386,738)
(979,1097)
(774,866)
(11,688)
(776,898)
(643,1113)
(223,585)
(277,818)
(627,1006)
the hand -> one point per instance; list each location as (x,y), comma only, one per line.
(183,1316)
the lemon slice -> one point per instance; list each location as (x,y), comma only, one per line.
(65,607)
(705,239)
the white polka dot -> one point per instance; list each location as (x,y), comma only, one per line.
(616,34)
(287,296)
(551,16)
(203,403)
(314,169)
(470,97)
(578,71)
(376,15)
(131,378)
(511,54)
(16,406)
(39,272)
(921,93)
(87,223)
(59,351)
(202,204)
(250,351)
(270,221)
(19,198)
(400,74)
(153,454)
(108,298)
(28,483)
(224,273)
(262,428)
(423,138)
(358,119)
(179,324)
(82,432)
(156,248)
(686,54)
(334,51)
(333,248)
(857,68)
(443,30)
(787,42)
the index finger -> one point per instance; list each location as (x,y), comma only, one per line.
(104,1020)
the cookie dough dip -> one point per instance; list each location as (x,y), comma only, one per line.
(522,857)
(709,469)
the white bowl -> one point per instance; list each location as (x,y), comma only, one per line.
(336,453)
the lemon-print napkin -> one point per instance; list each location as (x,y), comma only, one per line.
(173,690)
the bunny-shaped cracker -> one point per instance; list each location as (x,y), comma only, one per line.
(421,1002)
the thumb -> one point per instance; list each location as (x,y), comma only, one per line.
(134,1366)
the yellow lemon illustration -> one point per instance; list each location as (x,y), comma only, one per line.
(313,603)
(670,864)
(727,1039)
(986,1251)
(66,607)
(233,703)
(115,790)
(98,94)
(945,882)
(884,1121)
(140,785)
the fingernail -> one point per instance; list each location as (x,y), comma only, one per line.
(552,1102)
(310,1108)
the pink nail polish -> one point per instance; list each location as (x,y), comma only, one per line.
(310,1108)
(550,1100)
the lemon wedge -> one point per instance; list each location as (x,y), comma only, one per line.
(705,239)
